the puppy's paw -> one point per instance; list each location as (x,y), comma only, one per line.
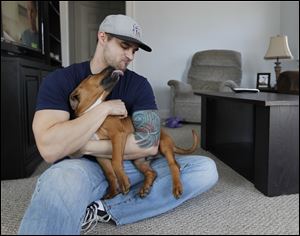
(144,191)
(123,181)
(124,185)
(177,190)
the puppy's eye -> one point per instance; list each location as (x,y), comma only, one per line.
(76,96)
(74,101)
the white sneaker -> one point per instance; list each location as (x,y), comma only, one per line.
(93,215)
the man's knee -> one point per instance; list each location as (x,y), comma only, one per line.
(67,178)
(211,172)
(206,168)
(201,173)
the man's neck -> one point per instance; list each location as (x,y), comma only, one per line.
(96,65)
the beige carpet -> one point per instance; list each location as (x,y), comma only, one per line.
(232,206)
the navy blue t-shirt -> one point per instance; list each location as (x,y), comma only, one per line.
(134,90)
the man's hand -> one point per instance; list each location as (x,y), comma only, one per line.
(116,107)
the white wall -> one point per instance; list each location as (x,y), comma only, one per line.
(289,25)
(176,30)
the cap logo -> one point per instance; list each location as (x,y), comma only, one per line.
(136,30)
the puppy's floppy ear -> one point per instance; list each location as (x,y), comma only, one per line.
(74,100)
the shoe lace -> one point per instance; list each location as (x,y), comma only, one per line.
(92,218)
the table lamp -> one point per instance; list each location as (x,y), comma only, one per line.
(278,49)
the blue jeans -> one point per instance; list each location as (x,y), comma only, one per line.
(65,189)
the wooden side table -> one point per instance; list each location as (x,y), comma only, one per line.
(256,134)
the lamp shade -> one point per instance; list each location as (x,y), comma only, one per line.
(279,48)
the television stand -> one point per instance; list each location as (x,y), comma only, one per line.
(20,81)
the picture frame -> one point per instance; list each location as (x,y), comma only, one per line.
(263,80)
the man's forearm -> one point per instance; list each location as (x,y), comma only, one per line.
(103,148)
(144,142)
(57,136)
(66,137)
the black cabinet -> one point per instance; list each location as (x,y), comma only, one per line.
(20,80)
(52,33)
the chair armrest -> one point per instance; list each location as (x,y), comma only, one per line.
(180,87)
(227,85)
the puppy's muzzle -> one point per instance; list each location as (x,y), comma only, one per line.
(110,81)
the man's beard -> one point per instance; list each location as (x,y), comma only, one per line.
(122,65)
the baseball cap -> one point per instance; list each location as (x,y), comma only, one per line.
(124,28)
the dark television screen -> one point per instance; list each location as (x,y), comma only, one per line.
(21,24)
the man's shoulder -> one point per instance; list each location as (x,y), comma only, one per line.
(79,68)
(57,86)
(134,77)
(131,74)
(75,71)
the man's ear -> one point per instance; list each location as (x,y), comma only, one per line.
(102,37)
(74,100)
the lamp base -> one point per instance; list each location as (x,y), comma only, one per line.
(277,69)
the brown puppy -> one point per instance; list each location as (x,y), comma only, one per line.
(92,91)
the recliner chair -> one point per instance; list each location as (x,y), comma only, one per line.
(210,70)
(288,82)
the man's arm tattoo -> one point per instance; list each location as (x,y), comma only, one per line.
(147,128)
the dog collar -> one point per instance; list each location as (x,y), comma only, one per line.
(98,101)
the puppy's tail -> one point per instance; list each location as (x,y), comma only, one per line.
(190,150)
